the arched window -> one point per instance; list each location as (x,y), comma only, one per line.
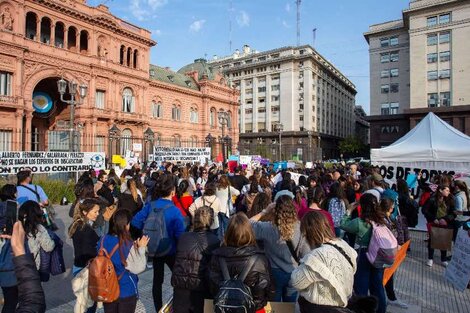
(128,100)
(193,141)
(136,53)
(129,52)
(59,34)
(72,38)
(122,51)
(212,117)
(194,115)
(126,141)
(158,139)
(176,141)
(46,30)
(157,109)
(31,25)
(229,119)
(176,112)
(83,41)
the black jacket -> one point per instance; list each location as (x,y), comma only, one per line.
(126,201)
(107,194)
(193,256)
(30,294)
(238,181)
(258,279)
(430,209)
(84,245)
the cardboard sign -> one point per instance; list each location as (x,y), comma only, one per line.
(400,257)
(137,147)
(271,307)
(458,270)
(50,162)
(181,154)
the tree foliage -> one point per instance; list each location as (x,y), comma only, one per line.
(351,146)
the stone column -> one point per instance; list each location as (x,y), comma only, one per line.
(66,37)
(28,128)
(77,41)
(52,39)
(38,29)
(18,132)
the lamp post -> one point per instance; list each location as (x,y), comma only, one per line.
(113,134)
(223,120)
(148,138)
(309,154)
(280,128)
(82,91)
(208,140)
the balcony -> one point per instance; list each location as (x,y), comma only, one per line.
(8,101)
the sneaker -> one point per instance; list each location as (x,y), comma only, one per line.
(429,263)
(445,263)
(398,303)
(149,265)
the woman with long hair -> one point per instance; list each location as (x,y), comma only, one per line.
(325,277)
(130,199)
(225,193)
(260,203)
(129,260)
(368,278)
(283,243)
(408,207)
(193,256)
(439,212)
(183,200)
(300,203)
(250,195)
(209,199)
(185,175)
(315,197)
(238,251)
(265,185)
(84,237)
(336,204)
(32,217)
(462,205)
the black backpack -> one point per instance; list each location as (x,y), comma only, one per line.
(234,296)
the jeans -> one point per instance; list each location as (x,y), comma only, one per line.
(121,305)
(369,278)
(158,275)
(10,296)
(284,291)
(75,271)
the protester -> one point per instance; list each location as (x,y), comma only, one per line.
(209,199)
(191,269)
(225,193)
(202,180)
(185,176)
(238,180)
(300,203)
(130,199)
(128,261)
(265,185)
(260,203)
(183,200)
(336,204)
(462,205)
(102,178)
(325,276)
(376,187)
(107,191)
(238,248)
(283,244)
(316,196)
(251,191)
(161,198)
(367,278)
(27,191)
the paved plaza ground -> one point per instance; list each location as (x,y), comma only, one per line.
(424,288)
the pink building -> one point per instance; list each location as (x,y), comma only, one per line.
(128,100)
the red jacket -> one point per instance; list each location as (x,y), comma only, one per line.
(183,204)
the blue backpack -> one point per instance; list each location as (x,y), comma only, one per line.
(160,243)
(7,268)
(52,263)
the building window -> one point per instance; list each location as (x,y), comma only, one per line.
(432,39)
(394,88)
(432,57)
(384,42)
(126,141)
(5,84)
(444,73)
(444,37)
(445,99)
(193,115)
(432,100)
(394,107)
(248,111)
(394,41)
(384,57)
(432,75)
(5,140)
(394,72)
(444,56)
(274,98)
(261,89)
(100,144)
(176,112)
(261,110)
(176,141)
(274,87)
(99,99)
(157,110)
(431,21)
(385,109)
(394,56)
(385,88)
(128,100)
(444,18)
(229,120)
(275,109)
(384,73)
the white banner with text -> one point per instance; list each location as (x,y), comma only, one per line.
(181,154)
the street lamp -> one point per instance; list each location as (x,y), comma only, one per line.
(208,140)
(148,138)
(82,91)
(280,128)
(113,134)
(223,120)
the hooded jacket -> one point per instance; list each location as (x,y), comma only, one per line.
(258,279)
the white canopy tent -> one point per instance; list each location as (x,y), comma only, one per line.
(432,144)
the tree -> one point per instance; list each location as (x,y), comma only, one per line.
(351,146)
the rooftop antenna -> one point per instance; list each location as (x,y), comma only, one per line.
(230,27)
(298,21)
(314,31)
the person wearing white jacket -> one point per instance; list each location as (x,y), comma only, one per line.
(208,199)
(224,193)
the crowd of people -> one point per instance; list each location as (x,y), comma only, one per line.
(299,236)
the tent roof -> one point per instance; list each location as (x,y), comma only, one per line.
(431,140)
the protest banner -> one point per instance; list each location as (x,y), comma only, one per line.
(399,258)
(458,270)
(50,162)
(181,154)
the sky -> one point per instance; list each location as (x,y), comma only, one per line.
(189,29)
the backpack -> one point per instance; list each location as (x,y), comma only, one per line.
(160,243)
(7,268)
(233,295)
(383,247)
(52,263)
(103,283)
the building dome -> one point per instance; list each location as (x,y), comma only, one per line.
(202,67)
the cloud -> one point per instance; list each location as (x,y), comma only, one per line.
(156,32)
(243,19)
(196,26)
(143,9)
(287,7)
(284,23)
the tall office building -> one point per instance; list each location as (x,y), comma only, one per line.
(291,93)
(419,64)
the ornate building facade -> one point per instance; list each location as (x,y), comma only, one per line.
(128,100)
